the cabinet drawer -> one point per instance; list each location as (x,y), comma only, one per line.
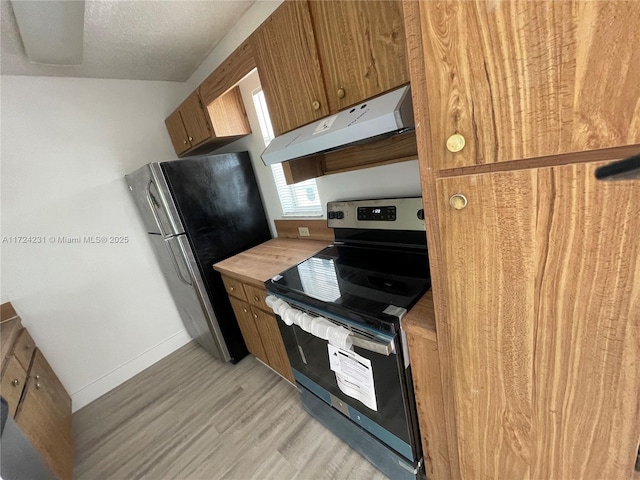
(233,287)
(24,348)
(256,297)
(13,382)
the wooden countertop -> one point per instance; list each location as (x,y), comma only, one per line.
(260,263)
(421,319)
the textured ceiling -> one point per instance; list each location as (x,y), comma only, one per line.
(138,40)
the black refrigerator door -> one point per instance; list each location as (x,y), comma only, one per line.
(218,200)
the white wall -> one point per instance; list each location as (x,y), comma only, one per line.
(100,313)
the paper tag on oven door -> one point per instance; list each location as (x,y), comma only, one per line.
(354,375)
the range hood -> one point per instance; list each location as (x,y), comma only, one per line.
(383,115)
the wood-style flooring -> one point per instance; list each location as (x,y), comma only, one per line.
(192,417)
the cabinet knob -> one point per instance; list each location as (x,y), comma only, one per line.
(15,382)
(255,315)
(190,139)
(316,105)
(184,141)
(231,288)
(455,143)
(244,310)
(458,201)
(38,386)
(37,377)
(341,93)
(256,298)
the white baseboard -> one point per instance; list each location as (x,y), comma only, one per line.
(124,372)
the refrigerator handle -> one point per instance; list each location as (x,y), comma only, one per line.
(177,268)
(153,204)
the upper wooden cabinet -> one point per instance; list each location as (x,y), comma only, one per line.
(286,55)
(528,79)
(192,125)
(316,58)
(362,48)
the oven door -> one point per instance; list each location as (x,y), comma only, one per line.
(391,419)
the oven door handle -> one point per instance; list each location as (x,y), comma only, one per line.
(371,345)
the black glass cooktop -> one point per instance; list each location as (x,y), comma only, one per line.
(366,284)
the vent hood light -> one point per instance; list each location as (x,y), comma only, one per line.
(386,114)
(52,31)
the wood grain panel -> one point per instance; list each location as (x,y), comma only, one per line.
(248,327)
(418,73)
(23,349)
(302,169)
(260,263)
(362,48)
(234,287)
(9,331)
(285,53)
(528,79)
(318,229)
(13,381)
(177,133)
(542,269)
(425,368)
(44,416)
(237,66)
(421,319)
(256,296)
(273,344)
(228,116)
(394,149)
(7,311)
(194,119)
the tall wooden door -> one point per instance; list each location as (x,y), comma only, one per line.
(542,275)
(362,48)
(523,79)
(285,52)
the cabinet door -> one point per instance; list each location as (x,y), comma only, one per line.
(362,48)
(44,416)
(177,133)
(524,79)
(250,332)
(285,51)
(195,120)
(543,277)
(273,344)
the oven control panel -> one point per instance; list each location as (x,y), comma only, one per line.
(378,214)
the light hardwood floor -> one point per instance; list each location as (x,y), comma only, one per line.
(192,417)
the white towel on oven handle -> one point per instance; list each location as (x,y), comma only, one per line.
(320,327)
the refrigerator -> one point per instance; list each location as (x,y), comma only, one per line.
(198,211)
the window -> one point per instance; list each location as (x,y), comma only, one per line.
(301,199)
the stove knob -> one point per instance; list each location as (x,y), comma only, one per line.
(339,215)
(420,214)
(331,215)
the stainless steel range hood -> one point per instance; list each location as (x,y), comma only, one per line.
(383,115)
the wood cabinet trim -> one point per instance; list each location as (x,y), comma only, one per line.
(318,229)
(14,372)
(237,66)
(7,312)
(417,72)
(421,319)
(588,156)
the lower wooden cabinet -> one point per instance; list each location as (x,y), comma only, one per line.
(37,400)
(258,325)
(44,416)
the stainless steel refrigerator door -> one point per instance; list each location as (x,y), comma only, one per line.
(180,271)
(153,199)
